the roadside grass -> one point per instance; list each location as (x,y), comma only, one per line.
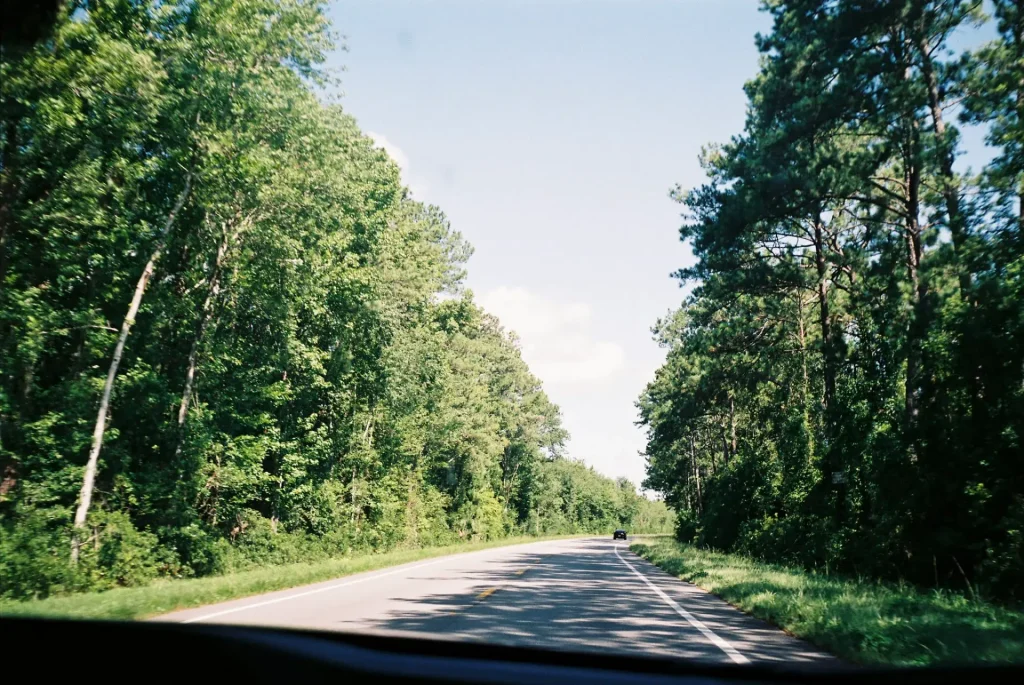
(870,623)
(165,596)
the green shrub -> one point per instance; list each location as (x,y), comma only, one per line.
(34,551)
(200,550)
(126,556)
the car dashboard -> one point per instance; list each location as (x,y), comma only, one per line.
(130,652)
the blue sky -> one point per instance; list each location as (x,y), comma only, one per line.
(550,133)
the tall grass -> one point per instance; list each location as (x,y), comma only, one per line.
(861,621)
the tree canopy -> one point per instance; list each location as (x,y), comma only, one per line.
(844,388)
(228,333)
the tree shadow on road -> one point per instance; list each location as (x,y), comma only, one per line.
(587,599)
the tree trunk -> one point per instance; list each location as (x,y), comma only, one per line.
(85,497)
(696,476)
(801,334)
(411,519)
(352,520)
(712,451)
(805,381)
(725,444)
(824,321)
(1018,45)
(912,161)
(732,426)
(950,185)
(205,315)
(919,293)
(8,190)
(507,488)
(688,490)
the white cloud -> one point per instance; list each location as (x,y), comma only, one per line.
(555,336)
(416,186)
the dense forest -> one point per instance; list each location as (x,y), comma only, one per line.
(844,386)
(228,334)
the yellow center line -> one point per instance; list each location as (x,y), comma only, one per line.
(491,590)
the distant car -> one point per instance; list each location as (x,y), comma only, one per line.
(619,535)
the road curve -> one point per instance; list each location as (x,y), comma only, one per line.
(579,595)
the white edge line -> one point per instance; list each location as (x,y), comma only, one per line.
(693,620)
(225,612)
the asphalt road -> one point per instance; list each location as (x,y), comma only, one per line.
(578,595)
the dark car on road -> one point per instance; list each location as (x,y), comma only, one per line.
(619,535)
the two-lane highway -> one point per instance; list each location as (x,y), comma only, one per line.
(579,595)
